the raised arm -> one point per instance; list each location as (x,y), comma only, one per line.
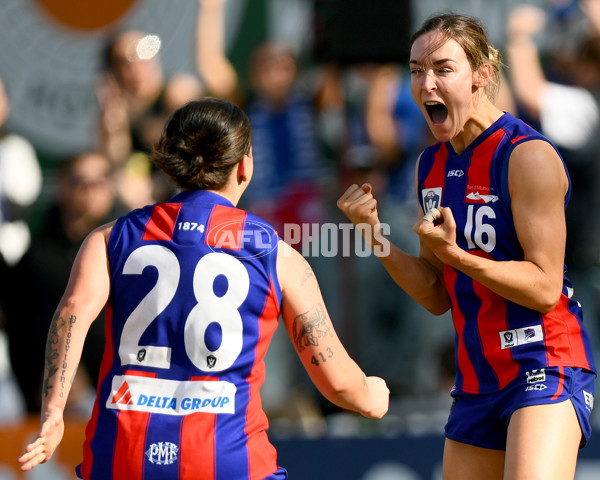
(525,69)
(216,70)
(419,276)
(85,296)
(327,362)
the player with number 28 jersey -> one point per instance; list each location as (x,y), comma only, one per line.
(198,304)
(193,289)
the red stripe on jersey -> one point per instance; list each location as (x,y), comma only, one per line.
(197,453)
(517,139)
(226,227)
(491,319)
(478,176)
(162,222)
(470,381)
(140,373)
(262,457)
(90,429)
(436,176)
(561,383)
(564,349)
(128,459)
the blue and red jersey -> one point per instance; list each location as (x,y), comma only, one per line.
(496,339)
(194,303)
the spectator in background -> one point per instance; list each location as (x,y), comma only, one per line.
(287,186)
(567,112)
(388,320)
(559,90)
(20,186)
(85,199)
(136,99)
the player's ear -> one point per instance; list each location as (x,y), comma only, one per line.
(245,168)
(482,76)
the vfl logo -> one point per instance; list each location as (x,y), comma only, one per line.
(431,198)
(521,336)
(162,453)
(211,361)
(455,173)
(141,355)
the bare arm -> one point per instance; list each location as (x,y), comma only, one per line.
(524,67)
(85,296)
(324,357)
(215,69)
(537,185)
(420,276)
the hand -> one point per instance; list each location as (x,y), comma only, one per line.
(525,21)
(439,236)
(359,205)
(42,447)
(380,398)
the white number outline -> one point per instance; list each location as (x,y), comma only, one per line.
(481,228)
(209,308)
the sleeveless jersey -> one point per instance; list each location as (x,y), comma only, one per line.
(194,303)
(496,339)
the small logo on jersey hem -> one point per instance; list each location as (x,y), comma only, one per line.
(521,336)
(162,453)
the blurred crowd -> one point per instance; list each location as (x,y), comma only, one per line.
(318,126)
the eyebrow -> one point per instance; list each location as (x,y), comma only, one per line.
(435,63)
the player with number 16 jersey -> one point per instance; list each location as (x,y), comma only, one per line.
(503,339)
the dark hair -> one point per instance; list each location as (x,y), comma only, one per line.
(470,34)
(202,142)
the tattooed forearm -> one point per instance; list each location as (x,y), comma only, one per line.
(310,326)
(52,351)
(72,320)
(52,361)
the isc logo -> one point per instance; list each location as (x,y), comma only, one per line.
(456,173)
(162,453)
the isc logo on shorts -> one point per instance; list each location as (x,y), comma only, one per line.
(536,379)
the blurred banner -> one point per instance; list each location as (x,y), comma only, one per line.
(51,58)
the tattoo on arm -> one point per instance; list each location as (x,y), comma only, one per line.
(310,326)
(52,353)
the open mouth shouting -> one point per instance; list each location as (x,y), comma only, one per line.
(437,112)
